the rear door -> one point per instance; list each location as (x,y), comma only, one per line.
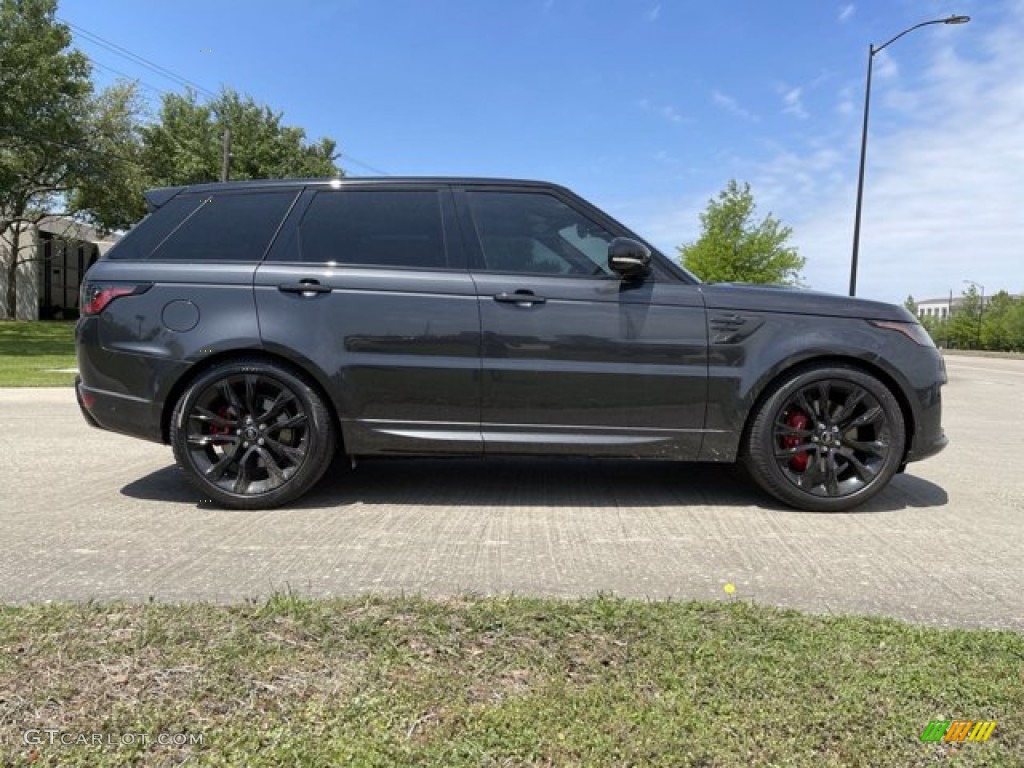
(575,359)
(368,286)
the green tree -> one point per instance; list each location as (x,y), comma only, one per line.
(185,144)
(1014,324)
(110,191)
(1001,327)
(963,326)
(44,98)
(937,328)
(733,247)
(61,145)
(67,151)
(911,305)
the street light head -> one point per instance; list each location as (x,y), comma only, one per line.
(957,20)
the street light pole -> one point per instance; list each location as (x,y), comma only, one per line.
(860,176)
(872,50)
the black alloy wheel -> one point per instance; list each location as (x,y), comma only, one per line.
(827,439)
(252,435)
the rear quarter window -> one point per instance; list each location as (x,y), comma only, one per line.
(227,227)
(209,227)
(141,239)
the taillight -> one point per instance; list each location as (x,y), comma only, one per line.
(96,296)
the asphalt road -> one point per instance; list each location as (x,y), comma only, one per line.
(89,514)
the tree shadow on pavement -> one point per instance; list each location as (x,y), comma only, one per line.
(533,482)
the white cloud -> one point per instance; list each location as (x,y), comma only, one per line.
(884,66)
(846,11)
(654,13)
(666,223)
(943,190)
(729,104)
(844,101)
(672,114)
(792,103)
(667,111)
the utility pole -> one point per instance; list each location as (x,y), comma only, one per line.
(225,166)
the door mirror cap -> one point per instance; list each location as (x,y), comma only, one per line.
(629,258)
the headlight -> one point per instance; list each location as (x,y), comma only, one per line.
(913,331)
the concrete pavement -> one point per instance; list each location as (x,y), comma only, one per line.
(88,514)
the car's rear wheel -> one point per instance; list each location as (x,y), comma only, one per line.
(826,439)
(250,434)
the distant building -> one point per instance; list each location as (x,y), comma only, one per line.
(60,254)
(939,308)
(944,307)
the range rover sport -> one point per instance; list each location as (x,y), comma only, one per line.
(259,327)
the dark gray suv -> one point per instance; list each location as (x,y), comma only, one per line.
(258,327)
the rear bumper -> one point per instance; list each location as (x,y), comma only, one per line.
(119,413)
(81,404)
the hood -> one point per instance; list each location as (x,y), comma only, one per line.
(798,301)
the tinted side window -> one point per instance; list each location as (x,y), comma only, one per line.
(151,231)
(536,233)
(227,227)
(399,228)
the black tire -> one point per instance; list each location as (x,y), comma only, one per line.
(826,439)
(252,434)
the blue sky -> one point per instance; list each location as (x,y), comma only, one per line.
(647,108)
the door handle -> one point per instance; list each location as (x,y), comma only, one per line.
(307,287)
(522,297)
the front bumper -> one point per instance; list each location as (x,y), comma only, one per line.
(922,449)
(928,437)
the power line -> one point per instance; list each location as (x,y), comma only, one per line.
(136,58)
(138,80)
(165,72)
(367,166)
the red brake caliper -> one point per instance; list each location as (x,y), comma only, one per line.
(223,412)
(796,419)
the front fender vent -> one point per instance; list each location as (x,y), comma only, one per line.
(732,327)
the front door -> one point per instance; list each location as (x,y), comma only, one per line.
(575,359)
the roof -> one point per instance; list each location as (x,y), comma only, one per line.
(158,196)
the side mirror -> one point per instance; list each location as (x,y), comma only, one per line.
(628,258)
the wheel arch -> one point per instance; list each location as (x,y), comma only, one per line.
(769,384)
(309,372)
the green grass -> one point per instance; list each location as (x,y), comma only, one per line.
(29,349)
(500,682)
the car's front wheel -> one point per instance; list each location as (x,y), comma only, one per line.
(826,439)
(250,434)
